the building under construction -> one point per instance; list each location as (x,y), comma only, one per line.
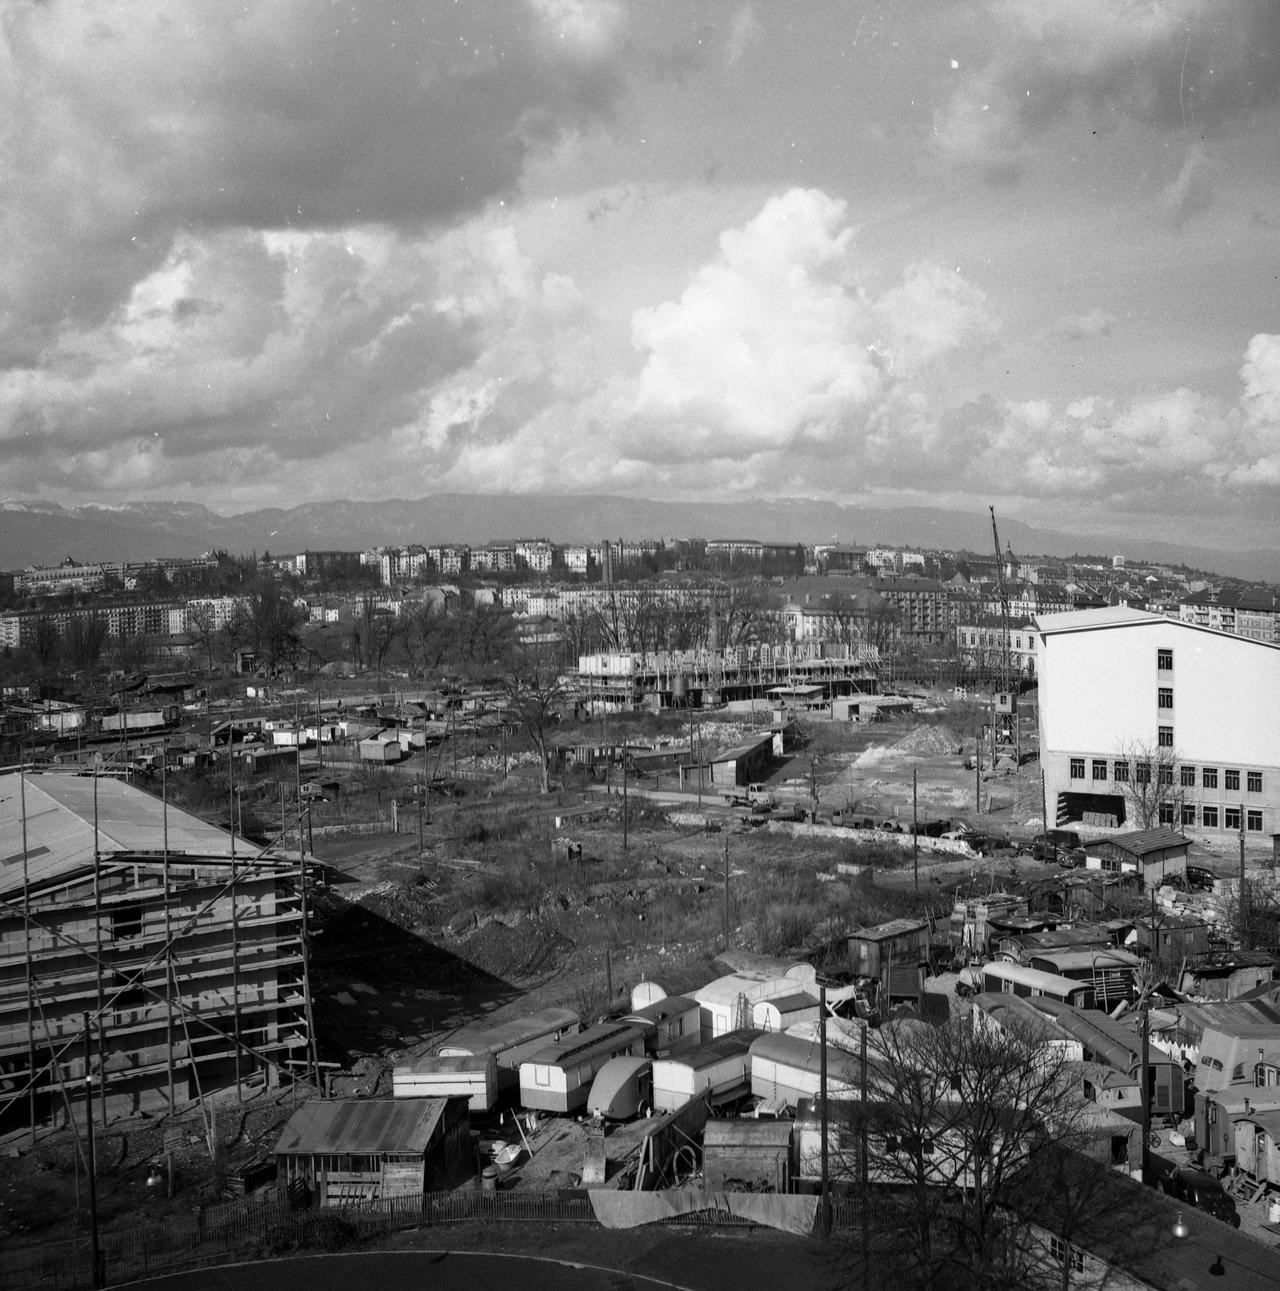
(144,955)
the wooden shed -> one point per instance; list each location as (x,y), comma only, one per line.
(901,942)
(1153,854)
(1258,1146)
(364,1149)
(747,1156)
(743,763)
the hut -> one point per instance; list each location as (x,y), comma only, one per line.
(367,1149)
(1153,854)
(874,950)
(747,1156)
(671,1023)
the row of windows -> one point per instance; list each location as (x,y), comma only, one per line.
(1187,773)
(1212,817)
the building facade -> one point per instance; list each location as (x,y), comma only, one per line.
(180,944)
(1126,694)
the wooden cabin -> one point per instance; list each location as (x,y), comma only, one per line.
(367,1149)
(873,951)
(1152,854)
(558,1077)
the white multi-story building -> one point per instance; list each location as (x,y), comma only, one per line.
(537,554)
(1202,704)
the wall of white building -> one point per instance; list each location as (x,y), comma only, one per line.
(1100,685)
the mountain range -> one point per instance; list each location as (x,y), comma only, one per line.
(44,533)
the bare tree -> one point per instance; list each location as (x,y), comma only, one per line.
(1147,774)
(957,1124)
(86,636)
(376,628)
(534,701)
(203,626)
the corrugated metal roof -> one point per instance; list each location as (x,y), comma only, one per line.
(60,837)
(1141,841)
(361,1126)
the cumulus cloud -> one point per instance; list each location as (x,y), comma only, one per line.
(130,124)
(1202,64)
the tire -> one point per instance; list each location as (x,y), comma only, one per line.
(1153,1139)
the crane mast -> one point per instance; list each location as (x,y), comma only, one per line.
(1003,588)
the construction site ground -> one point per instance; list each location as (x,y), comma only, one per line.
(510,900)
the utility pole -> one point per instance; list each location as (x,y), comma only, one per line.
(824,1202)
(624,793)
(726,893)
(863,1171)
(1244,897)
(1146,1090)
(977,772)
(915,826)
(90,1165)
(422,793)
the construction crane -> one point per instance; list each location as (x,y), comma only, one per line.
(1003,588)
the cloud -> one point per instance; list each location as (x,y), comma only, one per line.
(744,31)
(1083,327)
(1184,64)
(130,125)
(1191,191)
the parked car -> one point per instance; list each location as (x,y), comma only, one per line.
(1058,847)
(1199,879)
(958,832)
(985,844)
(1197,1188)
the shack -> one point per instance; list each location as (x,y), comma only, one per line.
(1153,854)
(784,1011)
(671,1024)
(901,942)
(365,1149)
(747,1156)
(743,763)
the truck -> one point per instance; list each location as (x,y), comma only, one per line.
(755,796)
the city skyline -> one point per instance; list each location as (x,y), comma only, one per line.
(896,255)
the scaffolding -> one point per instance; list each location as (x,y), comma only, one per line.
(142,955)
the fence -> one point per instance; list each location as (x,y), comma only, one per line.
(249,1230)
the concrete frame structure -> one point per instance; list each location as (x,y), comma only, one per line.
(1117,678)
(178,943)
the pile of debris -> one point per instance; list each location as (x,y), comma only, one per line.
(929,740)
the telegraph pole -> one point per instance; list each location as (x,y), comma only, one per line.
(915,826)
(726,893)
(624,793)
(824,1203)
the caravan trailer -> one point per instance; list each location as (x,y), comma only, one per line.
(558,1077)
(716,1067)
(511,1042)
(672,1024)
(1031,982)
(786,1068)
(470,1076)
(622,1089)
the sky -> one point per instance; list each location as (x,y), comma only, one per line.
(1012,252)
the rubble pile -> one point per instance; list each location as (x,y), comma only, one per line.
(929,740)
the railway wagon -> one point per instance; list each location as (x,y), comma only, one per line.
(511,1042)
(786,1068)
(558,1077)
(718,1067)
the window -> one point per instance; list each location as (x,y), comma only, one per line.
(1142,772)
(1099,768)
(1253,822)
(1187,777)
(1164,697)
(1077,768)
(1165,776)
(1122,770)
(1209,778)
(1231,818)
(1166,813)
(1164,660)
(1188,814)
(1065,1253)
(126,921)
(1231,780)
(1209,817)
(1254,782)
(1164,737)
